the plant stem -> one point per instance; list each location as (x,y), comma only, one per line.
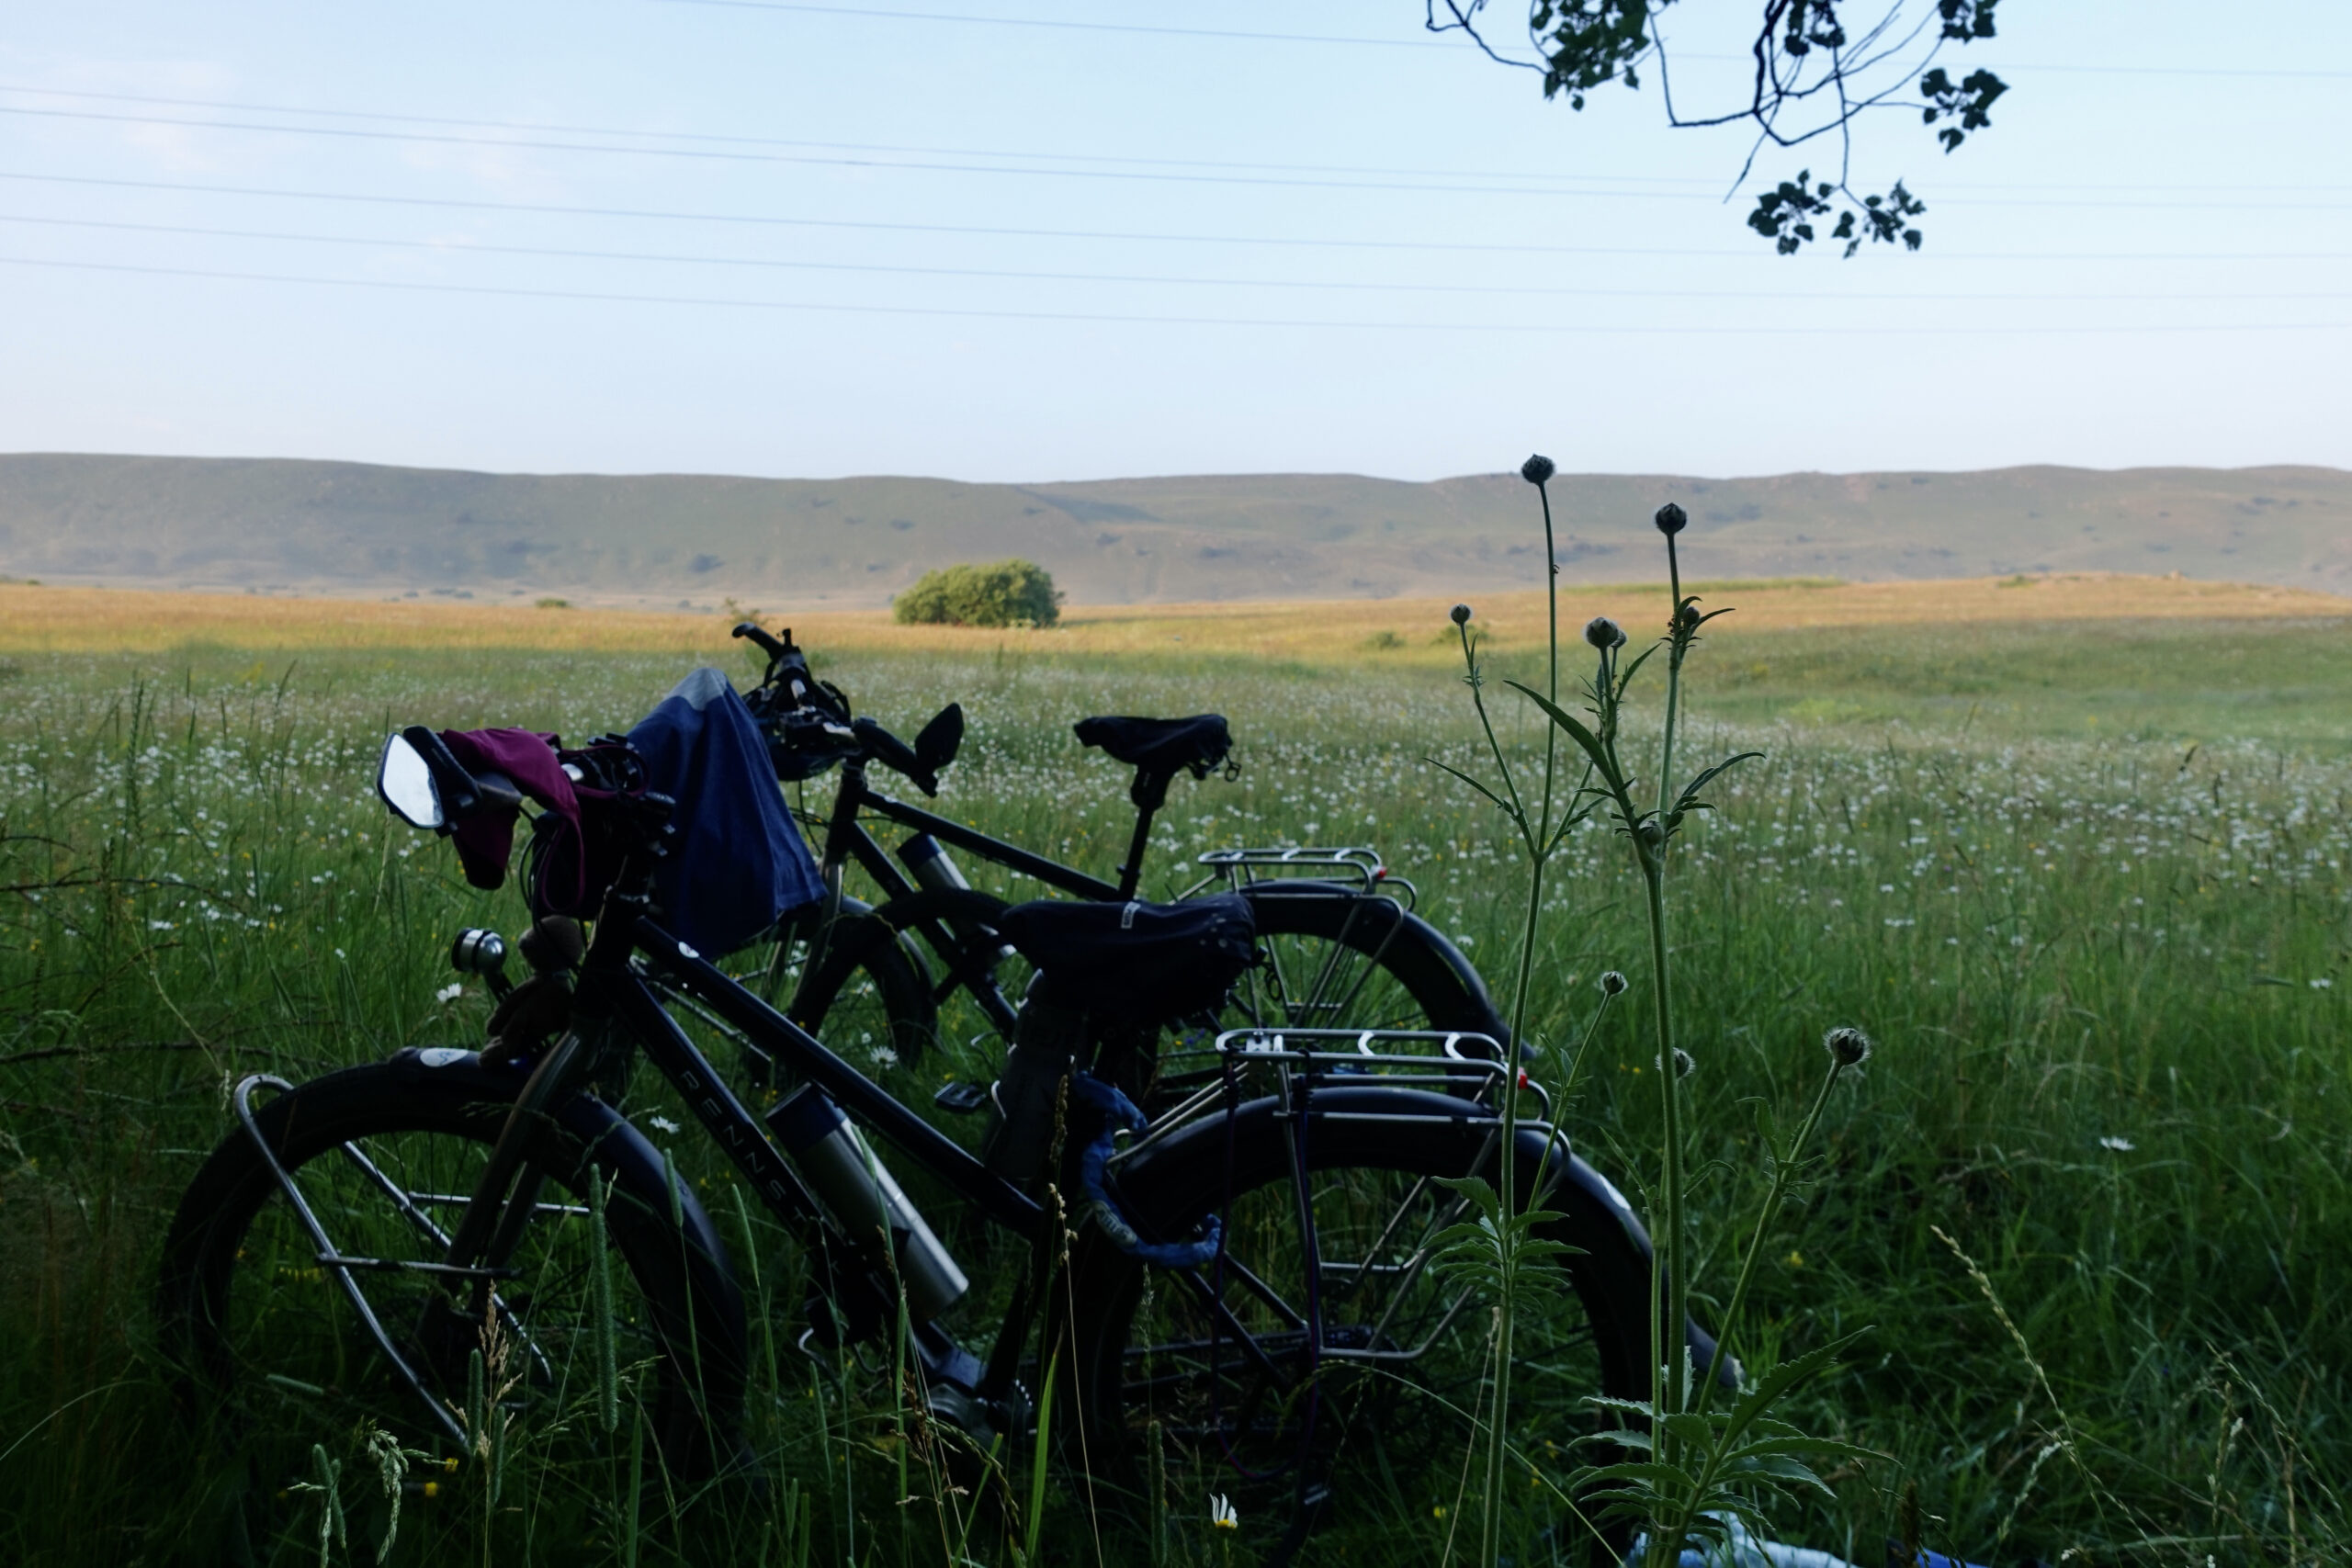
(1506,1238)
(1670,1393)
(1552,687)
(1676,647)
(1667,1392)
(1784,1172)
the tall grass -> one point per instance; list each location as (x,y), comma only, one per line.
(2112,1077)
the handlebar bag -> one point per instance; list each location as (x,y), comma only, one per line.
(737,861)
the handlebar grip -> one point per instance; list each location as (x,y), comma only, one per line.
(463,794)
(893,753)
(760,635)
(499,793)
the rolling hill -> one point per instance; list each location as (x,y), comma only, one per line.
(273,524)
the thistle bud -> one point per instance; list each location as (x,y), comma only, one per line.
(1604,634)
(1461,614)
(1847,1047)
(1612,984)
(1684,1064)
(1536,470)
(1670,519)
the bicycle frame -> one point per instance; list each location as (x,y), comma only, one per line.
(846,838)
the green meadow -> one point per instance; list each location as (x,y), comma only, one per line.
(2083,879)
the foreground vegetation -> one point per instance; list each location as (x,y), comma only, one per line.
(2080,868)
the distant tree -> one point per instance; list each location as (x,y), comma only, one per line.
(1004,593)
(1813,77)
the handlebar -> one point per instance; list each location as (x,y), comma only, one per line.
(887,748)
(765,640)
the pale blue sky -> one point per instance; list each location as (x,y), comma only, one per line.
(2139,264)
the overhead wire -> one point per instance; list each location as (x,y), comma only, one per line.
(1149,176)
(1520,328)
(248,106)
(473,248)
(241,106)
(1427,39)
(1301,242)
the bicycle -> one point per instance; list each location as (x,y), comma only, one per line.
(1344,946)
(425,1244)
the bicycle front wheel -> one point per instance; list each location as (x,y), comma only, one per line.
(257,1319)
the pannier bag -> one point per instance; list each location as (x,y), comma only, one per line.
(1135,962)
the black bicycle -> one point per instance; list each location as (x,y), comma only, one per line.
(485,1252)
(1343,947)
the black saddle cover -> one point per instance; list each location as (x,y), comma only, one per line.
(1137,962)
(1160,745)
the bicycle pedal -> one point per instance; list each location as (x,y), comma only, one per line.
(960,1097)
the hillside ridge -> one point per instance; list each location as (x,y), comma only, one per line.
(692,540)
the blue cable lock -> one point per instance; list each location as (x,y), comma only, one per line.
(1118,1111)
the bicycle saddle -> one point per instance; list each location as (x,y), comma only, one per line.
(1147,962)
(1160,745)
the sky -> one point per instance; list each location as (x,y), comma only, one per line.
(1038,240)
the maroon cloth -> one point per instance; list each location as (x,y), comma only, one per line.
(486,839)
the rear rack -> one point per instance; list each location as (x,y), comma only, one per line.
(1464,1066)
(1360,864)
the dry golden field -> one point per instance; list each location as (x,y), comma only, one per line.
(79,620)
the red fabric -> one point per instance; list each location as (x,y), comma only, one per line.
(486,840)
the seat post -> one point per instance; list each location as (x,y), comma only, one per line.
(1149,792)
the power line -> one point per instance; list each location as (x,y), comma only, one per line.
(1061,25)
(248,108)
(818,161)
(441,248)
(1422,42)
(1464,247)
(1544,328)
(348,133)
(1712,188)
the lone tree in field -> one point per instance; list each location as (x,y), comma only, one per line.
(1005,593)
(1818,66)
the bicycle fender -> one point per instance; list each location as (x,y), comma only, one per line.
(1411,931)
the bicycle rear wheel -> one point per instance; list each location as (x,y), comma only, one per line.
(263,1332)
(1333,1383)
(1337,958)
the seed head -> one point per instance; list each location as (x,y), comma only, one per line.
(1604,634)
(1461,614)
(1670,519)
(1612,984)
(1683,1063)
(1536,470)
(1848,1047)
(1687,618)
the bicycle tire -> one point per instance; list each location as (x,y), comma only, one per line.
(1338,958)
(1387,1437)
(879,951)
(261,1334)
(855,980)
